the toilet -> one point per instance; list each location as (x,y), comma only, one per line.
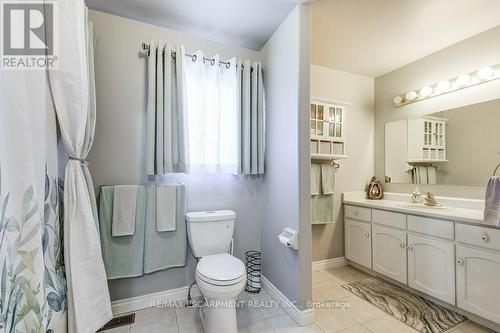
(220,276)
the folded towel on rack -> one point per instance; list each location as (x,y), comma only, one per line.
(432,175)
(492,202)
(327,178)
(124,208)
(166,207)
(164,250)
(123,256)
(315,178)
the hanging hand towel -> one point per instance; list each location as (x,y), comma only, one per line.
(166,207)
(163,250)
(124,207)
(315,178)
(327,178)
(123,256)
(492,202)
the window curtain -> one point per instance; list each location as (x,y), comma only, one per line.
(212,121)
(251,114)
(167,138)
(32,282)
(73,94)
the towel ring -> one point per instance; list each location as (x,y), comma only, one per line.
(496,169)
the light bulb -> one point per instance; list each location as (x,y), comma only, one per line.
(485,73)
(397,99)
(411,96)
(463,80)
(425,91)
(443,86)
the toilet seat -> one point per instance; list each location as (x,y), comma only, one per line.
(221,270)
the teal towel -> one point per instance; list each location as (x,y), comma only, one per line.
(165,249)
(123,256)
(322,208)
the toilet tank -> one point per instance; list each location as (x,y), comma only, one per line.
(210,232)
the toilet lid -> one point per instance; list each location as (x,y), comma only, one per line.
(221,267)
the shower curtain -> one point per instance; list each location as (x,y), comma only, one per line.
(73,93)
(32,278)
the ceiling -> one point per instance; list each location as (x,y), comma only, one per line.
(245,23)
(373,37)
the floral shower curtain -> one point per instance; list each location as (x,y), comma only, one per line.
(32,279)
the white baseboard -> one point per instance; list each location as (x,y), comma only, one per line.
(146,301)
(301,317)
(329,263)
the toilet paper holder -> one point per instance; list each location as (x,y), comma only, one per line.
(289,238)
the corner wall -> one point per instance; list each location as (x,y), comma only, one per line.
(285,187)
(358,92)
(466,56)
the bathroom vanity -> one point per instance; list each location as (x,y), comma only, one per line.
(443,252)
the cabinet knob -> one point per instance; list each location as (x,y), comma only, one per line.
(484,237)
(356,213)
(460,261)
(410,248)
(402,245)
(367,235)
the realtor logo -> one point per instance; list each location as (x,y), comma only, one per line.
(28,36)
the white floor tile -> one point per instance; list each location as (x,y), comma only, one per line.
(162,326)
(285,324)
(262,326)
(154,314)
(188,320)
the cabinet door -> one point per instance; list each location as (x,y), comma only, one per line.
(478,287)
(431,267)
(358,242)
(389,253)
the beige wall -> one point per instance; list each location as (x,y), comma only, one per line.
(466,56)
(357,90)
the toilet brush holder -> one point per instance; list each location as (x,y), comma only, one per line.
(252,263)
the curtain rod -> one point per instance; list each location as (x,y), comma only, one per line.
(147,47)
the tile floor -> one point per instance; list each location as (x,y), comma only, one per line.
(357,316)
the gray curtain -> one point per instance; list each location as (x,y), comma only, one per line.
(167,146)
(251,104)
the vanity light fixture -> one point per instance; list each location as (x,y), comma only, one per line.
(482,75)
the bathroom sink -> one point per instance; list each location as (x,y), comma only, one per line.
(422,206)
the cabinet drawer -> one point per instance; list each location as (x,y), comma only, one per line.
(431,227)
(390,219)
(358,213)
(479,236)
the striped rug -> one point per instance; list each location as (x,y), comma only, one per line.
(415,311)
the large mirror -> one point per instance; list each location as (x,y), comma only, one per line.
(453,147)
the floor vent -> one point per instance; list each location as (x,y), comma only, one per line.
(119,321)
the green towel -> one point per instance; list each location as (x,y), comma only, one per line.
(124,255)
(322,208)
(165,249)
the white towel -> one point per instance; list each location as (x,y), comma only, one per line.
(327,178)
(492,202)
(315,178)
(124,207)
(423,174)
(166,196)
(432,174)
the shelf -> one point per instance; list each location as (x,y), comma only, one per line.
(328,157)
(426,161)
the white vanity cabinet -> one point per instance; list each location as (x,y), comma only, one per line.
(478,271)
(389,252)
(455,262)
(358,245)
(431,267)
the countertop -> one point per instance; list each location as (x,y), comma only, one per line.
(473,214)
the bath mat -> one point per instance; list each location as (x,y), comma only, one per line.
(413,310)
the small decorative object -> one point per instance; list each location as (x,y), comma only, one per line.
(416,197)
(430,200)
(374,190)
